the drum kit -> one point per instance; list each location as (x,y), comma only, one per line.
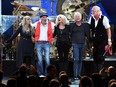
(68,7)
(23,8)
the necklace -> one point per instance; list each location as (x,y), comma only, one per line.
(61,30)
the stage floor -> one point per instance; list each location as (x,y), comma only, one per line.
(108,58)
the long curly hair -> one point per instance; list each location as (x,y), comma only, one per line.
(26,28)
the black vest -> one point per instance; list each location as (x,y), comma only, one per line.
(98,32)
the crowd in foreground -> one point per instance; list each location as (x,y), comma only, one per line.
(27,76)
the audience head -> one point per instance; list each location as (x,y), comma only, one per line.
(111,71)
(27,60)
(51,70)
(111,81)
(22,70)
(54,83)
(97,79)
(32,81)
(12,82)
(33,70)
(64,80)
(85,81)
(113,84)
(62,72)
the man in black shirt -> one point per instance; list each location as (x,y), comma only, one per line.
(79,31)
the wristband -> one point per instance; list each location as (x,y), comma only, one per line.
(109,40)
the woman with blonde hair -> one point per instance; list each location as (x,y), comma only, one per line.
(61,32)
(64,19)
(25,45)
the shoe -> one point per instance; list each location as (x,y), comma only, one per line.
(76,78)
(79,76)
(41,76)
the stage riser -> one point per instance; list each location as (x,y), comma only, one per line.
(88,67)
(8,67)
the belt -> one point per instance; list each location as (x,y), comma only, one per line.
(25,38)
(43,42)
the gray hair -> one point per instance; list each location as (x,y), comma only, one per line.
(65,20)
(77,14)
(97,8)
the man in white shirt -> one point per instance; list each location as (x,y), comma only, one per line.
(43,38)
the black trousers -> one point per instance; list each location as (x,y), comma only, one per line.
(63,52)
(98,52)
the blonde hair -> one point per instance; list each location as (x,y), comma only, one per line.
(65,20)
(24,20)
(24,26)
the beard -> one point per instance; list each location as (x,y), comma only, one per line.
(44,21)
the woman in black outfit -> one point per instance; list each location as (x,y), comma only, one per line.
(25,45)
(61,33)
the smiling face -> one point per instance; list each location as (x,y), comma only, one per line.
(96,11)
(77,16)
(44,19)
(60,19)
